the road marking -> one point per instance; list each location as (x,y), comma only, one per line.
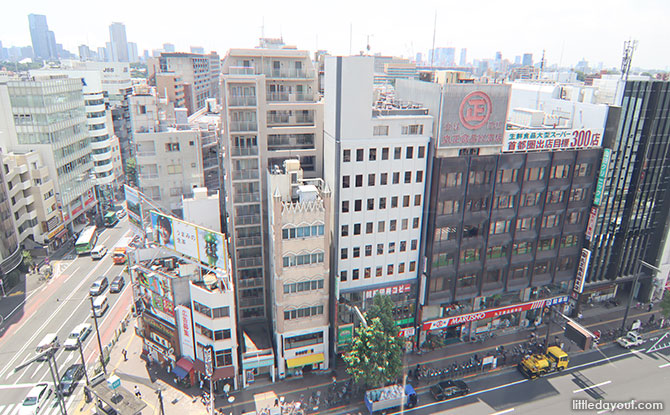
(18,386)
(665,365)
(591,387)
(6,410)
(37,332)
(503,412)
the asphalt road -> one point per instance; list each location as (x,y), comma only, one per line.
(57,307)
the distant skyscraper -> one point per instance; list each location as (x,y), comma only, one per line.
(84,53)
(119,42)
(168,47)
(2,51)
(198,49)
(44,41)
(109,52)
(517,60)
(463,61)
(527,59)
(132,52)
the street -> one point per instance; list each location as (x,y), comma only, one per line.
(57,306)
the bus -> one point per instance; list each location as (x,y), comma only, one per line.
(86,241)
(111,219)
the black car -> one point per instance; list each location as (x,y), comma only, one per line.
(117,284)
(448,389)
(71,378)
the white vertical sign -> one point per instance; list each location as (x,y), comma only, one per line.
(581,270)
(185,331)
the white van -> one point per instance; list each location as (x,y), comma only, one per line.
(100,305)
(49,341)
(99,251)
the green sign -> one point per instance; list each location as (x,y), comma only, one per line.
(404,321)
(598,195)
(345,334)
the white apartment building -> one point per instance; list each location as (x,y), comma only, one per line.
(271,112)
(300,265)
(378,169)
(33,199)
(199,75)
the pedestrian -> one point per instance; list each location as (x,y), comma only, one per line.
(651,305)
(201,383)
(124,353)
(651,319)
(137,392)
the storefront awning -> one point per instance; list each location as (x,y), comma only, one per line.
(227,372)
(185,364)
(179,372)
(305,360)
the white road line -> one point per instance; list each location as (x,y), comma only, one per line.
(665,365)
(18,386)
(591,387)
(506,411)
(37,332)
(6,410)
(37,369)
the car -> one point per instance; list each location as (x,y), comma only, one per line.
(117,284)
(632,339)
(99,286)
(99,252)
(71,378)
(36,399)
(79,333)
(448,389)
(121,213)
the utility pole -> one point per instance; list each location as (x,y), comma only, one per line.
(160,400)
(83,362)
(97,332)
(54,374)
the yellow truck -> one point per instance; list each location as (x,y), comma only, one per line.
(534,366)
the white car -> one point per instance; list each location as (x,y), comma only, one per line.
(36,399)
(99,252)
(78,333)
(632,339)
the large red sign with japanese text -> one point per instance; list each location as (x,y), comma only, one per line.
(523,141)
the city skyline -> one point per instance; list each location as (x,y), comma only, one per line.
(509,24)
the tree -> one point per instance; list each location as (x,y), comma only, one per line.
(382,308)
(131,171)
(665,306)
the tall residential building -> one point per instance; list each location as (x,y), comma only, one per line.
(207,122)
(10,251)
(199,74)
(527,59)
(118,42)
(300,265)
(378,149)
(46,113)
(631,208)
(132,52)
(44,42)
(464,58)
(168,47)
(271,112)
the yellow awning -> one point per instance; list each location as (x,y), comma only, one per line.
(305,360)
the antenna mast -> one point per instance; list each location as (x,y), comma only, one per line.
(629,47)
(432,55)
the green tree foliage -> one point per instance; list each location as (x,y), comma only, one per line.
(375,358)
(665,306)
(131,171)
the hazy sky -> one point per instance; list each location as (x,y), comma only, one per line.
(569,30)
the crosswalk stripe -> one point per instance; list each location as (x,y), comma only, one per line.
(6,409)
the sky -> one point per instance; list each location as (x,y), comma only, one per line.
(567,30)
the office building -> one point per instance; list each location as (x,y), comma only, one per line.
(196,49)
(271,112)
(171,88)
(207,122)
(11,253)
(168,47)
(300,265)
(378,172)
(132,52)
(118,44)
(464,57)
(43,40)
(527,59)
(46,113)
(199,74)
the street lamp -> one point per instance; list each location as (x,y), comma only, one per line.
(632,289)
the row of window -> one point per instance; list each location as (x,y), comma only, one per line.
(212,334)
(302,231)
(560,171)
(385,152)
(292,260)
(217,312)
(468,255)
(356,251)
(383,179)
(381,204)
(379,271)
(303,312)
(298,287)
(381,226)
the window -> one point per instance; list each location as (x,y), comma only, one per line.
(204,331)
(569,240)
(530,199)
(397,151)
(415,223)
(392,225)
(343,276)
(477,205)
(422,152)
(346,156)
(371,179)
(518,273)
(389,269)
(345,230)
(380,226)
(345,182)
(359,154)
(544,267)
(521,248)
(222,334)
(372,154)
(555,196)
(367,272)
(577,195)
(371,204)
(447,233)
(401,268)
(359,180)
(500,226)
(378,272)
(403,246)
(380,249)
(470,231)
(409,152)
(302,231)
(466,281)
(451,179)
(573,218)
(414,244)
(345,206)
(220,312)
(412,266)
(385,153)
(383,179)
(356,252)
(503,202)
(507,175)
(404,224)
(344,253)
(202,309)
(417,200)
(396,177)
(469,255)
(582,170)
(380,130)
(355,274)
(419,176)
(368,227)
(358,203)
(443,259)
(303,312)
(223,357)
(174,169)
(494,252)
(408,177)
(479,177)
(546,244)
(303,340)
(391,247)
(534,173)
(357,228)
(292,260)
(382,203)
(551,221)
(414,129)
(566,264)
(448,207)
(368,250)
(297,287)
(525,224)
(560,171)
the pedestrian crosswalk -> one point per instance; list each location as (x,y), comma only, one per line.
(51,408)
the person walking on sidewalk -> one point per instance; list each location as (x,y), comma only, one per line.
(124,353)
(137,392)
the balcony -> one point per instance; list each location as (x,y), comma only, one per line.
(245,175)
(248,241)
(148,176)
(242,101)
(243,151)
(241,70)
(247,219)
(243,126)
(247,197)
(145,153)
(288,73)
(249,262)
(251,302)
(250,283)
(289,97)
(282,120)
